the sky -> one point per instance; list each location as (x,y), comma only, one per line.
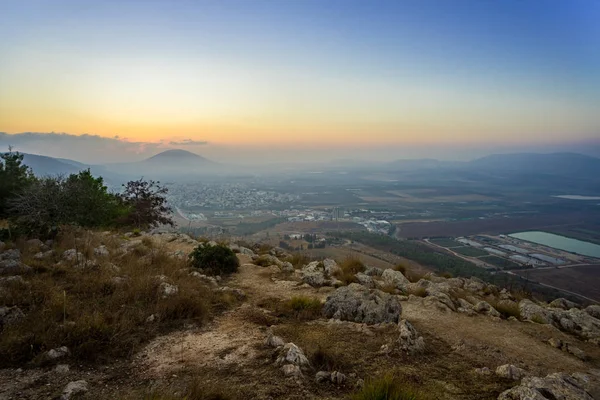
(310,74)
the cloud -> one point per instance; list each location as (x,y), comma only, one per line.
(88,148)
(188,142)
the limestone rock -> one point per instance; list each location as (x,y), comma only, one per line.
(322,377)
(365,280)
(61,368)
(73,256)
(483,371)
(337,378)
(593,310)
(101,251)
(274,341)
(553,387)
(395,278)
(10,316)
(563,304)
(73,389)
(409,340)
(43,255)
(166,289)
(287,267)
(483,307)
(331,267)
(292,354)
(291,370)
(12,254)
(533,312)
(510,371)
(359,304)
(314,279)
(373,271)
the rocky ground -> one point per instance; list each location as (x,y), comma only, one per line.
(318,330)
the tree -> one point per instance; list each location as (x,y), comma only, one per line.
(215,260)
(14,178)
(147,204)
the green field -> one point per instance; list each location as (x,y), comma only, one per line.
(501,262)
(446,242)
(470,251)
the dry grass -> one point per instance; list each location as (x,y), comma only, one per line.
(387,388)
(350,266)
(299,259)
(506,308)
(419,292)
(94,314)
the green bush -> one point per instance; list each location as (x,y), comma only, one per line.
(215,260)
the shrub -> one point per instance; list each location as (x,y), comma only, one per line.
(300,307)
(327,359)
(507,309)
(299,259)
(215,260)
(385,388)
(349,268)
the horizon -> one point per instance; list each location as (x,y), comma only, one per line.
(429,79)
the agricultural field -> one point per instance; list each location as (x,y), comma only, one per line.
(584,280)
(501,262)
(470,251)
(446,242)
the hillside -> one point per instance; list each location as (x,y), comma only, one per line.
(282,327)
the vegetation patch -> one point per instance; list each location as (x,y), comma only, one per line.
(215,260)
(349,268)
(387,388)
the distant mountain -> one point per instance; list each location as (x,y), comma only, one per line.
(43,165)
(561,164)
(177,157)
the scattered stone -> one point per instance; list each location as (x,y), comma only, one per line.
(593,310)
(553,387)
(510,371)
(563,304)
(151,318)
(287,267)
(314,279)
(337,378)
(73,256)
(12,254)
(365,280)
(373,271)
(43,255)
(61,368)
(273,340)
(208,279)
(556,343)
(292,354)
(166,289)
(101,251)
(409,340)
(10,316)
(57,353)
(359,304)
(395,278)
(322,377)
(12,280)
(292,371)
(246,251)
(73,389)
(483,371)
(483,307)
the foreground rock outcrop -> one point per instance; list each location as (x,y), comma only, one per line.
(557,386)
(359,304)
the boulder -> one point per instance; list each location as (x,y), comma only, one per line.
(34,243)
(365,280)
(593,310)
(395,278)
(246,251)
(314,279)
(12,254)
(533,312)
(101,251)
(509,371)
(56,354)
(359,304)
(292,354)
(373,271)
(331,267)
(578,322)
(165,289)
(483,307)
(73,389)
(287,267)
(409,340)
(274,341)
(563,304)
(553,387)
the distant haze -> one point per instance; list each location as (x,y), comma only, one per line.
(93,149)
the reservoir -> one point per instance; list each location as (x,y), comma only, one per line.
(560,242)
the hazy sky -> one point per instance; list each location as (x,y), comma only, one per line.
(312,73)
